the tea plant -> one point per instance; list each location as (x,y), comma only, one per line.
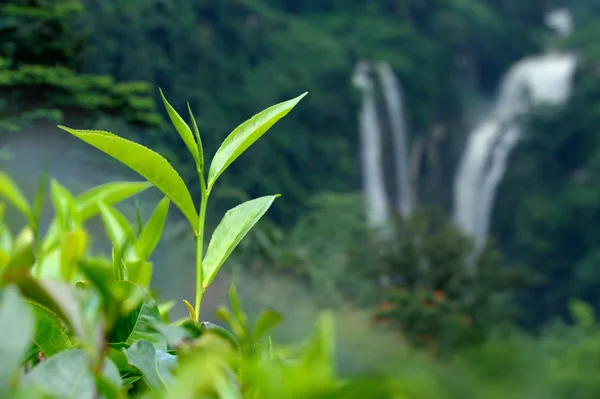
(80,326)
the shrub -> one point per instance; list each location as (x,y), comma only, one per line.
(74,325)
(432,293)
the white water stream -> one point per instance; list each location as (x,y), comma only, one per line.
(535,80)
(377,206)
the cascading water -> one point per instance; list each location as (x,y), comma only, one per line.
(392,93)
(371,138)
(535,80)
(377,211)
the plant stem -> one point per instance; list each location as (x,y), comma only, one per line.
(199,238)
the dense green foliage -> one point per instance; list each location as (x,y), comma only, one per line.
(228,55)
(41,79)
(552,194)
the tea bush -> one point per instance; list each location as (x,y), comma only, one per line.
(74,325)
(82,326)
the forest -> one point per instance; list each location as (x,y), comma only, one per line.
(437,191)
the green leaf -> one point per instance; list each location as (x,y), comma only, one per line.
(87,204)
(57,296)
(183,129)
(147,163)
(52,237)
(236,326)
(174,334)
(139,324)
(139,272)
(236,307)
(22,255)
(12,193)
(67,375)
(228,234)
(164,309)
(73,249)
(266,321)
(207,326)
(245,135)
(39,200)
(50,337)
(198,139)
(318,354)
(64,204)
(138,218)
(109,194)
(152,231)
(117,227)
(6,237)
(4,259)
(16,329)
(145,358)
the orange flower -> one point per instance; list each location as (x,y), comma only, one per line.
(439,295)
(385,306)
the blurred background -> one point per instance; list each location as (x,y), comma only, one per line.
(439,183)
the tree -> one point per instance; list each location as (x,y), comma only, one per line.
(42,50)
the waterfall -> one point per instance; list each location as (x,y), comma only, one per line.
(535,80)
(377,207)
(392,93)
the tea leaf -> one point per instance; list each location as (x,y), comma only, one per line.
(228,234)
(245,135)
(174,335)
(22,255)
(139,324)
(116,226)
(109,194)
(153,229)
(206,326)
(67,375)
(147,163)
(139,272)
(198,139)
(12,193)
(145,358)
(39,200)
(164,309)
(236,307)
(138,218)
(57,296)
(183,129)
(50,337)
(318,354)
(6,237)
(266,321)
(52,237)
(16,329)
(73,249)
(64,204)
(196,375)
(236,326)
(4,259)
